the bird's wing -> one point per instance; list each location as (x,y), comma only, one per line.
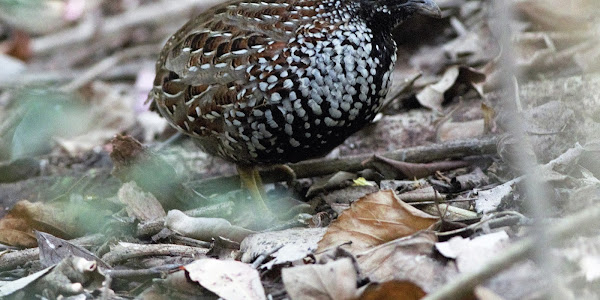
(204,66)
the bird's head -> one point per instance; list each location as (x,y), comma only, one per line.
(391,13)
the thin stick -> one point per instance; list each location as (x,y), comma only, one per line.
(325,166)
(420,154)
(126,251)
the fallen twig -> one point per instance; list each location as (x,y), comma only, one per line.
(125,251)
(143,273)
(324,166)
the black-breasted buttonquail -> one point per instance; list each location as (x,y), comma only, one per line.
(278,81)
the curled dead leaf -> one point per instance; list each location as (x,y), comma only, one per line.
(432,96)
(373,220)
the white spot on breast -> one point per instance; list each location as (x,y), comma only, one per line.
(270,121)
(336,114)
(256,143)
(316,108)
(275,97)
(345,106)
(263,86)
(330,122)
(294,142)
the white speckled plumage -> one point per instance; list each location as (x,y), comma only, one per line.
(276,81)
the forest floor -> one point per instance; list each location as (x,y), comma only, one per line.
(479,179)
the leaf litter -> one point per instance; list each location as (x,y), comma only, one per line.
(392,228)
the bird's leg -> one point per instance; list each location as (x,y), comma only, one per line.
(259,183)
(289,172)
(251,180)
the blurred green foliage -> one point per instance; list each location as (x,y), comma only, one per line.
(46,114)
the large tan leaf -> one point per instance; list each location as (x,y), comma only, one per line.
(373,220)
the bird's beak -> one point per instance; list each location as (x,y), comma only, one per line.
(427,8)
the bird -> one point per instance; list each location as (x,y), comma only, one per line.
(270,82)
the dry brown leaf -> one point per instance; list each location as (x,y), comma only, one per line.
(140,205)
(65,220)
(335,280)
(373,220)
(18,47)
(15,230)
(409,258)
(392,290)
(228,279)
